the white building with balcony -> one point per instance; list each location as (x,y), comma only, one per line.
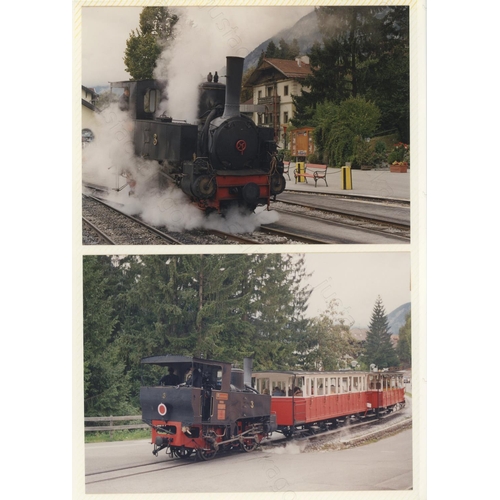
(274,82)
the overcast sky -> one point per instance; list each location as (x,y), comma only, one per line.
(218,31)
(356,279)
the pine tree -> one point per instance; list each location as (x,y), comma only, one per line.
(106,388)
(378,346)
(365,52)
(271,50)
(403,348)
(280,301)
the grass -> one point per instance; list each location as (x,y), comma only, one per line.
(127,435)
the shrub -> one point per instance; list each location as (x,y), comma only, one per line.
(314,158)
(338,126)
(401,152)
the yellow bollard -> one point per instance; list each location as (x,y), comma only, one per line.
(301,168)
(346,178)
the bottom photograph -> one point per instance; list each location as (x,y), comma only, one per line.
(281,373)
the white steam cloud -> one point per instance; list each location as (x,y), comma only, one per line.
(204,37)
(109,161)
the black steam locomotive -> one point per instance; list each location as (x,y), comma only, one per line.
(224,159)
(202,406)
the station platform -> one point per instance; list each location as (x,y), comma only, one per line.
(376,183)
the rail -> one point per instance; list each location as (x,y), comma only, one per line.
(111,420)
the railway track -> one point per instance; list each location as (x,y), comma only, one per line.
(134,470)
(344,436)
(311,222)
(116,227)
(335,231)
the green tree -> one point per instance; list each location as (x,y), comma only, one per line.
(279,306)
(365,52)
(145,44)
(217,306)
(339,128)
(403,348)
(378,346)
(388,78)
(106,388)
(271,50)
(328,341)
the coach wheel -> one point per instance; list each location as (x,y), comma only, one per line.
(288,432)
(249,445)
(183,452)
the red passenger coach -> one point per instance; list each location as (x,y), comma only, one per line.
(316,400)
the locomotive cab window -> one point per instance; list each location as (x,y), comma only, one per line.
(151,100)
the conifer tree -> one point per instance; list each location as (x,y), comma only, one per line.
(378,346)
(403,348)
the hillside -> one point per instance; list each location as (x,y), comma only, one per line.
(305,30)
(397,318)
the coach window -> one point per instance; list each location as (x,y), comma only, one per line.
(333,385)
(263,385)
(345,384)
(320,385)
(355,384)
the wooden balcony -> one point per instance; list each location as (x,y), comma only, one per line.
(269,101)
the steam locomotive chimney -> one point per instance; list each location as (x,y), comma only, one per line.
(234,72)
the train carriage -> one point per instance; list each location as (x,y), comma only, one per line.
(309,401)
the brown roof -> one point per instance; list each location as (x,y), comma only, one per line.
(288,68)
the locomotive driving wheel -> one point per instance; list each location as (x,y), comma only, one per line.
(206,454)
(182,452)
(248,445)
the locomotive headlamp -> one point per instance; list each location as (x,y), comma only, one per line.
(162,409)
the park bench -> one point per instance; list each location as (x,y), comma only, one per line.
(314,171)
(286,170)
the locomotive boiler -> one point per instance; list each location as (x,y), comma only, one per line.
(224,159)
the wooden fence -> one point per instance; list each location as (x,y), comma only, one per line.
(110,424)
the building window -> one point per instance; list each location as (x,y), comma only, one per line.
(269,91)
(285,117)
(285,90)
(260,94)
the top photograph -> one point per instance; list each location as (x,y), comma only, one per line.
(245,125)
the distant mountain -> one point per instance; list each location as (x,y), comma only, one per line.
(397,318)
(305,30)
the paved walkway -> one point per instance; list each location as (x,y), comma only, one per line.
(364,182)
